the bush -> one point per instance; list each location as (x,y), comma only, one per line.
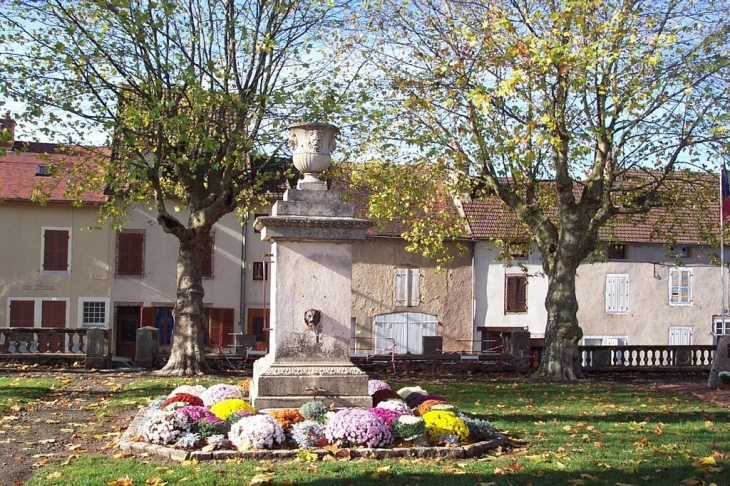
(256,432)
(357,427)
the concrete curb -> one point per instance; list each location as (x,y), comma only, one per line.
(129,445)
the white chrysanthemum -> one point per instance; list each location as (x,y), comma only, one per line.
(194,390)
(256,432)
(398,406)
(187,440)
(407,390)
(164,426)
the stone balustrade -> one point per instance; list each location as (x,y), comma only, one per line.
(49,344)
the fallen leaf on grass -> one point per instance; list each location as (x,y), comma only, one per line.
(54,475)
(125,481)
(69,459)
(156,482)
(260,479)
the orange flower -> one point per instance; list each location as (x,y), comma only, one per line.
(287,417)
(425,406)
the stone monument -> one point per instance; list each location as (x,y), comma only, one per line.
(720,362)
(311,232)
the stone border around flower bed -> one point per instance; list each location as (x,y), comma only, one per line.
(129,445)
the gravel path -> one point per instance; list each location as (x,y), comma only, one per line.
(62,425)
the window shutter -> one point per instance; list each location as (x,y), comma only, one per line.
(617,293)
(220,327)
(22,313)
(401,286)
(130,254)
(55,250)
(515,299)
(414,284)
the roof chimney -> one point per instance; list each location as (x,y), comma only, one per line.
(7,131)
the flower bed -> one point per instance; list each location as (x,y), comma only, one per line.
(228,425)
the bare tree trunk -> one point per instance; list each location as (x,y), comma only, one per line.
(187,357)
(561,359)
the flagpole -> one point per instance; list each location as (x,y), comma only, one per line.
(723,184)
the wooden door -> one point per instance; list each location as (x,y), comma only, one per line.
(53,314)
(258,324)
(127,323)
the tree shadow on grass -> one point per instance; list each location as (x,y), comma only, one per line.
(656,474)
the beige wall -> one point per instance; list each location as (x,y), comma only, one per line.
(650,315)
(447,295)
(20,260)
(158,286)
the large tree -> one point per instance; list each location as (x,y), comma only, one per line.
(192,93)
(606,100)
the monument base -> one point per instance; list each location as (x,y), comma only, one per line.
(291,384)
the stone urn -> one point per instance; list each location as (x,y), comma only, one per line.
(312,145)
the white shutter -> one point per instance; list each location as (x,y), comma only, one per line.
(407,287)
(414,287)
(401,286)
(680,336)
(617,293)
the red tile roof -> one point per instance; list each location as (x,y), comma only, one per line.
(695,222)
(19,168)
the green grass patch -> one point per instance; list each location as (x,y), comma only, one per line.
(581,434)
(17,392)
(140,392)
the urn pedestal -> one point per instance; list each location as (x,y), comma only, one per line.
(311,232)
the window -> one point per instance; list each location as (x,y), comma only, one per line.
(55,252)
(680,286)
(407,287)
(616,252)
(617,294)
(515,294)
(130,253)
(93,312)
(207,263)
(721,327)
(260,270)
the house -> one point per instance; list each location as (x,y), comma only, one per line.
(54,270)
(644,290)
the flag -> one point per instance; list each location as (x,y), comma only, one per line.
(725,188)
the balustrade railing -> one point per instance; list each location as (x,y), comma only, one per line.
(42,340)
(616,358)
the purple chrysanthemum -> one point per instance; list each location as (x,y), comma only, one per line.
(354,426)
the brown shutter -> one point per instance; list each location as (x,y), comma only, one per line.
(130,254)
(148,316)
(22,313)
(516,294)
(53,315)
(220,327)
(55,250)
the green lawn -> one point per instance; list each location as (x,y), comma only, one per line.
(17,392)
(589,433)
